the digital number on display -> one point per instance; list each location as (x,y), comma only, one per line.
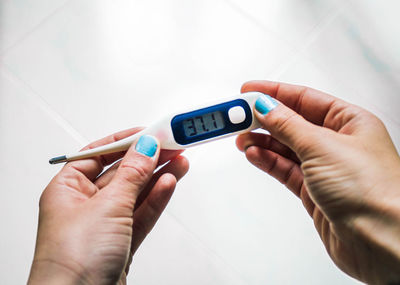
(203,124)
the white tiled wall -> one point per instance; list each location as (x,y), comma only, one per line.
(28,135)
(73,71)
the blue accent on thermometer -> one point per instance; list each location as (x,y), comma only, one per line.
(209,122)
(188,128)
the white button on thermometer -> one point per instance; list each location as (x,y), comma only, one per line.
(192,127)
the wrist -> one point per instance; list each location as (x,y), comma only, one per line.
(50,272)
(377,228)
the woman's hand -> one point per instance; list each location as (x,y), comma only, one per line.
(340,160)
(89,225)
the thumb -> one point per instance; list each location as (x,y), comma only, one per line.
(135,170)
(285,125)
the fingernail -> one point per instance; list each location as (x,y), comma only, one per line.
(265,104)
(146,145)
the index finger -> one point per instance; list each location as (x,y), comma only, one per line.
(92,167)
(312,104)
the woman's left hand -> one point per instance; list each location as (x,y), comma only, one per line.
(89,225)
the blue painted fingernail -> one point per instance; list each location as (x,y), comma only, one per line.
(265,104)
(146,145)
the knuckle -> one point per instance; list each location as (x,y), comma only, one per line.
(289,175)
(364,117)
(43,200)
(141,226)
(299,101)
(284,122)
(371,117)
(134,173)
(273,164)
(72,178)
(154,207)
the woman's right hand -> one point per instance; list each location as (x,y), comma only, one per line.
(339,159)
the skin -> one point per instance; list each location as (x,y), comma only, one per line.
(340,161)
(336,157)
(90,226)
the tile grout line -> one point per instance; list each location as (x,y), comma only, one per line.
(297,52)
(254,20)
(312,36)
(360,94)
(36,27)
(310,39)
(66,126)
(205,246)
(44,106)
(280,70)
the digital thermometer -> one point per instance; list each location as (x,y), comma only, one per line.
(192,127)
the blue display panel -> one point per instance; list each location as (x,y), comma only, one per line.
(209,122)
(203,124)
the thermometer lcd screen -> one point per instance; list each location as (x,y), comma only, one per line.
(210,122)
(203,124)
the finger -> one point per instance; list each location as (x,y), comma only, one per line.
(312,104)
(167,155)
(134,171)
(246,140)
(106,177)
(92,167)
(288,127)
(321,224)
(148,213)
(178,167)
(284,170)
(308,203)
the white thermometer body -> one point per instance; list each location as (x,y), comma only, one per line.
(192,127)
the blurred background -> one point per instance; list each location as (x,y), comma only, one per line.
(74,71)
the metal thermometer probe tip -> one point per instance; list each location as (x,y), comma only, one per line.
(58,159)
(116,146)
(179,131)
